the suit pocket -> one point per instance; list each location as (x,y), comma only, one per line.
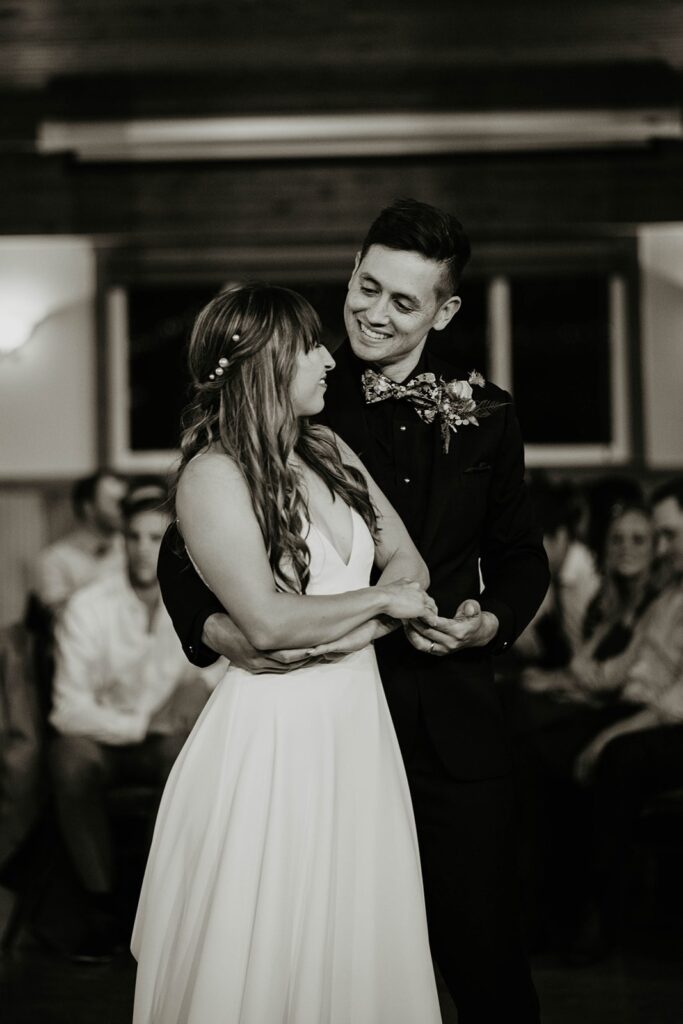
(479,467)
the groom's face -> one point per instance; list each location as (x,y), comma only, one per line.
(393,301)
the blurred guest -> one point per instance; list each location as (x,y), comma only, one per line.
(596,673)
(559,711)
(93,549)
(556,632)
(124,701)
(652,672)
(642,754)
(601,497)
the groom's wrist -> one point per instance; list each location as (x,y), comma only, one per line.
(505,633)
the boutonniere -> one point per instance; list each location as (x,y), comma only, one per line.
(454,403)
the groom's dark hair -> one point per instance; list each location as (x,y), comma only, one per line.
(417,227)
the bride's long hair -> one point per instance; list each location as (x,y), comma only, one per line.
(247,412)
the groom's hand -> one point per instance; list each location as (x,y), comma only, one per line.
(469,627)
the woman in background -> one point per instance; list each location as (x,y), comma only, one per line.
(557,715)
(595,673)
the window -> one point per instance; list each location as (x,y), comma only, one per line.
(547,323)
(559,345)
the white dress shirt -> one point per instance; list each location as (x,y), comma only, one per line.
(116,668)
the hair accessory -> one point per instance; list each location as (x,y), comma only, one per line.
(220,369)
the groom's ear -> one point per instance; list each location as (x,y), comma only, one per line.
(356,264)
(446,312)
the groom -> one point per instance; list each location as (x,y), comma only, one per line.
(465,506)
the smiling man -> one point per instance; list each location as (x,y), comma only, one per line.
(461,494)
(394,299)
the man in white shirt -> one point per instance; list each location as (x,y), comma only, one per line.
(92,550)
(124,699)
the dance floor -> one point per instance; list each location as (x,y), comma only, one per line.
(641,986)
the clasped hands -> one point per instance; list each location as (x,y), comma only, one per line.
(427,632)
(431,633)
(469,627)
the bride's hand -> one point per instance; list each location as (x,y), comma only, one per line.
(407,600)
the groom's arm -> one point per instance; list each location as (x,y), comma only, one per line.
(514,564)
(188,600)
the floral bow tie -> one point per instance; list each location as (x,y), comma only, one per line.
(419,391)
(452,401)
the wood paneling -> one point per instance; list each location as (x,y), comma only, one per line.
(125,58)
(43,38)
(332,201)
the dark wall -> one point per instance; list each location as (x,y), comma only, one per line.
(98,59)
(333,200)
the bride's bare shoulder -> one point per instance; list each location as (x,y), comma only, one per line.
(212,472)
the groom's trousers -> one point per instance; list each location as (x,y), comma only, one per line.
(468,852)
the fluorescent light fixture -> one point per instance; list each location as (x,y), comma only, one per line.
(354,135)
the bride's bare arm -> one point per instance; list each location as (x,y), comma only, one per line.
(222,534)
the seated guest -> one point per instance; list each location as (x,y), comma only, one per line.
(601,497)
(555,633)
(652,666)
(93,549)
(596,671)
(642,754)
(124,701)
(559,712)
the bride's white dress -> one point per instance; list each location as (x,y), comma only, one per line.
(283,884)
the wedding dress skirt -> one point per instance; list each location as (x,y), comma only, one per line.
(283,884)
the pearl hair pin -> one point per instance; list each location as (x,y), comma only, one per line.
(222,363)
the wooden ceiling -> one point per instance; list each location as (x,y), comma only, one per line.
(41,39)
(100,59)
(295,48)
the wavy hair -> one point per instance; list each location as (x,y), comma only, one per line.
(247,412)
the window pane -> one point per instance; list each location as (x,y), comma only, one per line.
(560,359)
(463,342)
(159,325)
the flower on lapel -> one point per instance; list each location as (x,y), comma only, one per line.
(455,405)
(459,389)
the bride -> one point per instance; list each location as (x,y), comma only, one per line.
(283,883)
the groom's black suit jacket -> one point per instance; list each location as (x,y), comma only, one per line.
(475,510)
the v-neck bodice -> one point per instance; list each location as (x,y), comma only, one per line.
(329,573)
(345,561)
